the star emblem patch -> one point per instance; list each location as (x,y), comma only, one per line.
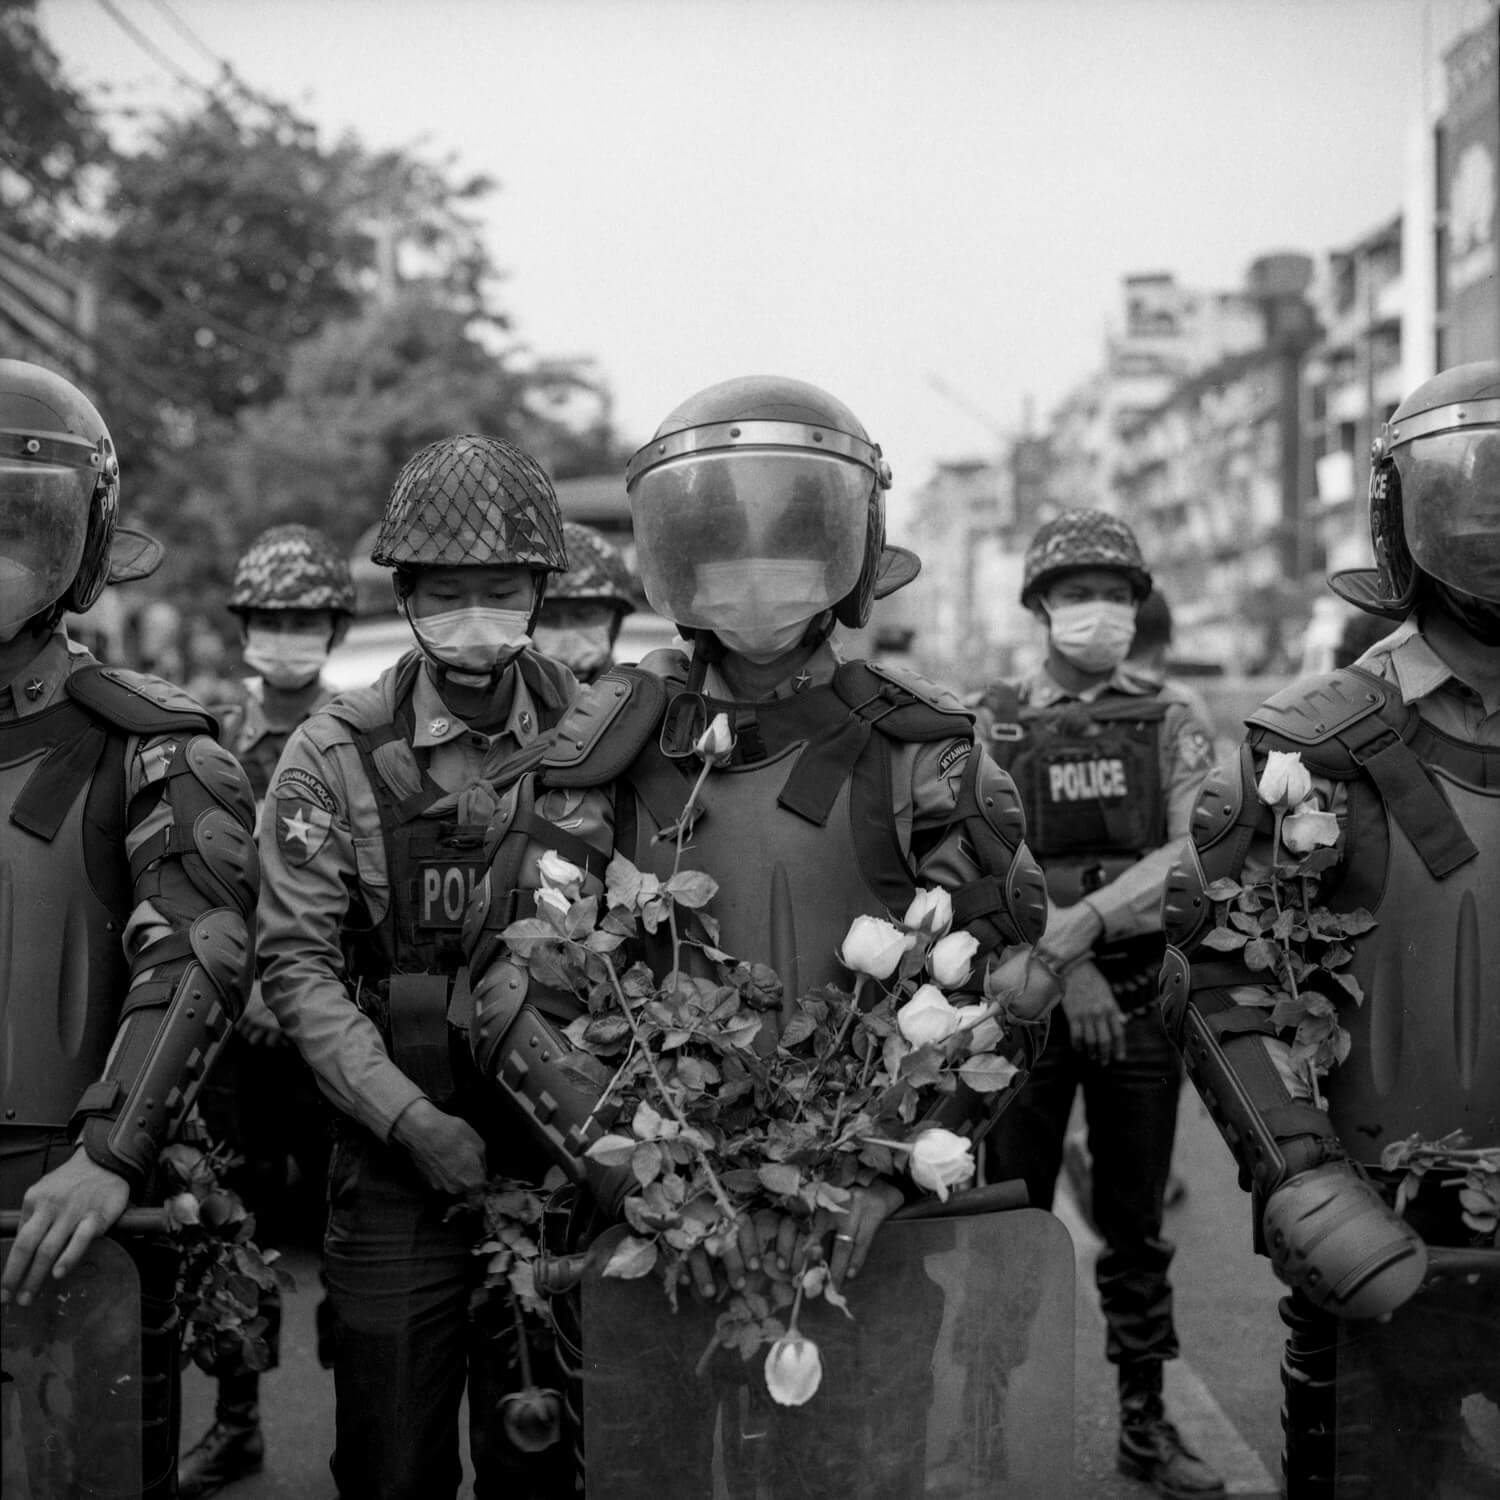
(35,688)
(301,829)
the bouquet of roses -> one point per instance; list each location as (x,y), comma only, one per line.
(1280,926)
(729,1107)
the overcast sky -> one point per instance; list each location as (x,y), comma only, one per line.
(867,194)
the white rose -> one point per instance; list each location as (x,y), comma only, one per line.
(182,1208)
(794,1369)
(553,905)
(717,740)
(986,1033)
(1285,781)
(874,947)
(559,874)
(931,911)
(940,1160)
(1309,828)
(927,1017)
(952,959)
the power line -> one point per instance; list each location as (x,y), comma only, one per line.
(154,52)
(185,31)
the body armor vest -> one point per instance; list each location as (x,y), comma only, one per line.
(1090,780)
(1426,1040)
(408,970)
(65,894)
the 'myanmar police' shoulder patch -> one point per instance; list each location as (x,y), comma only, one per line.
(298,781)
(954,756)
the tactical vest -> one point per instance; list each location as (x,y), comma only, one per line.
(1090,780)
(66,890)
(407,969)
(259,758)
(797,827)
(1422,843)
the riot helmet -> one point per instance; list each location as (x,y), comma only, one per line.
(759,508)
(1435,499)
(59,497)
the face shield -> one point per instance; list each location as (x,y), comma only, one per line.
(1450,507)
(43,524)
(750,542)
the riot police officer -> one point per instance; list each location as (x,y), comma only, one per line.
(760,524)
(581,615)
(1403,748)
(127,876)
(294,597)
(1108,760)
(372,843)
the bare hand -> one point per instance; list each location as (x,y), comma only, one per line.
(448,1151)
(258,1025)
(853,1230)
(739,1254)
(63,1214)
(1094,1017)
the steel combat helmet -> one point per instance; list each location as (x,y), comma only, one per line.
(59,497)
(764,468)
(1082,539)
(471,501)
(1434,495)
(292,567)
(596,571)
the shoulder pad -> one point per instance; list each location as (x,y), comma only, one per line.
(138,703)
(923,689)
(1313,712)
(667,662)
(609,724)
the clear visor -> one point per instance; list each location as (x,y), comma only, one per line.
(1450,507)
(710,525)
(43,522)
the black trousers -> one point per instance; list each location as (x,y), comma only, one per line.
(1131,1109)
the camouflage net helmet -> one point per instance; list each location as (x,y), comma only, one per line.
(1082,539)
(471,501)
(292,567)
(596,571)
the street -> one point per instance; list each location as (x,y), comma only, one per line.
(1224,1393)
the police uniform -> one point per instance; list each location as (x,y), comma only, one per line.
(127,874)
(372,841)
(1108,782)
(1406,753)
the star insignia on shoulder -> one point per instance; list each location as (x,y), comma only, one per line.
(35,688)
(297,827)
(800,681)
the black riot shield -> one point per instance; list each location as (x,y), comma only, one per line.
(954,1379)
(1418,1396)
(70,1386)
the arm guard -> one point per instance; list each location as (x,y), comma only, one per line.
(193,864)
(1008,904)
(552,1086)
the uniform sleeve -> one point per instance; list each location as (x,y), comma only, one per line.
(187,940)
(320,843)
(1130,905)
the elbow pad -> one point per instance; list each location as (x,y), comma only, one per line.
(1008,904)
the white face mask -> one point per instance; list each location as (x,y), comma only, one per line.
(1095,636)
(760,606)
(286,659)
(473,640)
(583,649)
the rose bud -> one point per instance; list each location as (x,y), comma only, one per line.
(559,874)
(717,740)
(874,947)
(952,959)
(931,911)
(1285,781)
(532,1418)
(794,1369)
(927,1017)
(940,1160)
(1309,828)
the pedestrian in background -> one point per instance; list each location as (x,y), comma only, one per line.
(294,597)
(1108,760)
(373,841)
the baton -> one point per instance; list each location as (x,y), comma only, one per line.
(132,1221)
